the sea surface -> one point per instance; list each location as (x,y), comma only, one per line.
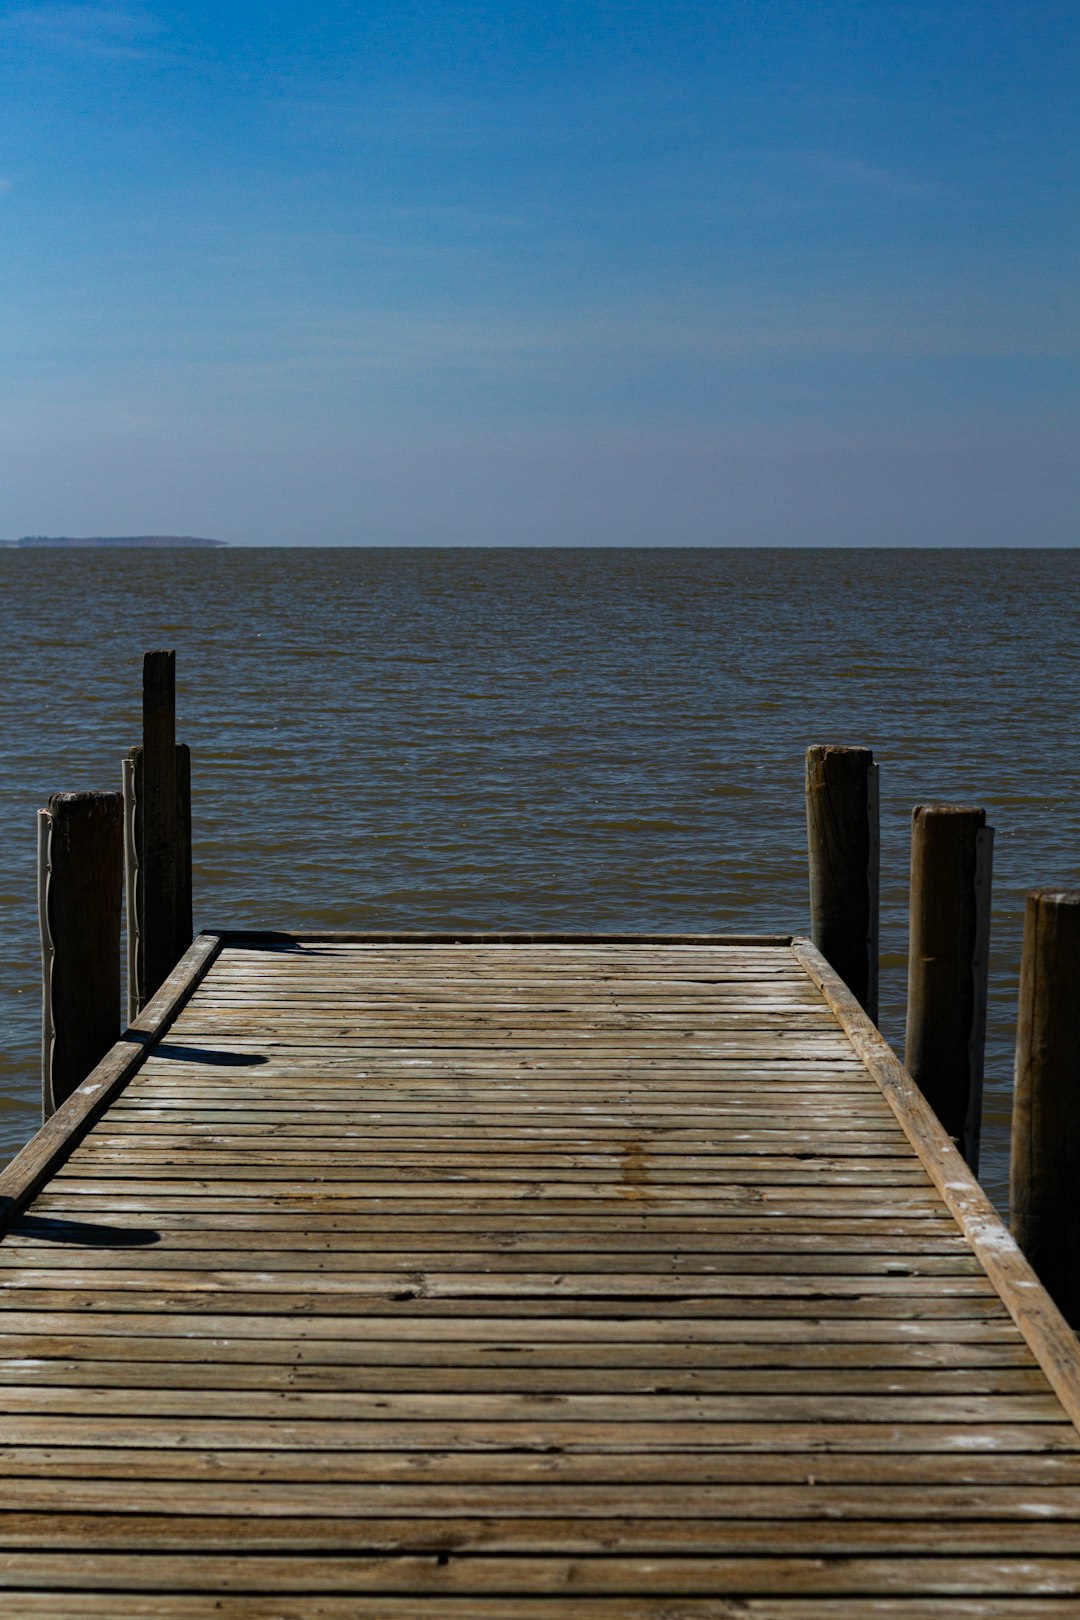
(585,739)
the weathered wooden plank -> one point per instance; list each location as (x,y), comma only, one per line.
(611,1226)
(290,945)
(786,1004)
(537,1536)
(582,1578)
(473,1435)
(442,1373)
(677,1414)
(665,1148)
(892,1506)
(561,1132)
(39,1258)
(720,1152)
(159,1105)
(560,1063)
(336,1022)
(182,1084)
(774,1038)
(642,1232)
(397,995)
(630,1325)
(432,1285)
(631,1166)
(902,1191)
(428,1303)
(103,1202)
(74,1604)
(1032,1470)
(860,1359)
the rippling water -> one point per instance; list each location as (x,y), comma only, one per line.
(606,739)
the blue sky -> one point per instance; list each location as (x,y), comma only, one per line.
(541,273)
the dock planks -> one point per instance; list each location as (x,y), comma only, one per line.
(473,1278)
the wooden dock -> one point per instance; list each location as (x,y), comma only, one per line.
(462,1278)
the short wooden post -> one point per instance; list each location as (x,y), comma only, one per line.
(1045,1173)
(844,844)
(80,883)
(949,942)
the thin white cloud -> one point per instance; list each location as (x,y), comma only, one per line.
(119,32)
(5,185)
(401,348)
(852,171)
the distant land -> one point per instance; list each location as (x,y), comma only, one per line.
(112,540)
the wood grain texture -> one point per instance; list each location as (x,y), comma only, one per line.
(500,1276)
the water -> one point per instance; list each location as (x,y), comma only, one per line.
(589,739)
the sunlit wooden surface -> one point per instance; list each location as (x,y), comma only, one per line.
(522,1280)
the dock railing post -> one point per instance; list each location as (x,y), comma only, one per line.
(80,883)
(948,949)
(1045,1170)
(157,842)
(842,825)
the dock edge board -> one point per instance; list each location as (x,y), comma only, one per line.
(31,1168)
(1046,1332)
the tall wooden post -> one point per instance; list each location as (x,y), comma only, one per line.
(131,885)
(951,858)
(80,883)
(183,915)
(1045,1172)
(157,793)
(157,856)
(132,768)
(844,844)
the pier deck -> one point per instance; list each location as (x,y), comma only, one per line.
(436,1280)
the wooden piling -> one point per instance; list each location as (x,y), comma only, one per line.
(1045,1171)
(157,793)
(157,853)
(79,886)
(844,850)
(133,778)
(131,883)
(951,858)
